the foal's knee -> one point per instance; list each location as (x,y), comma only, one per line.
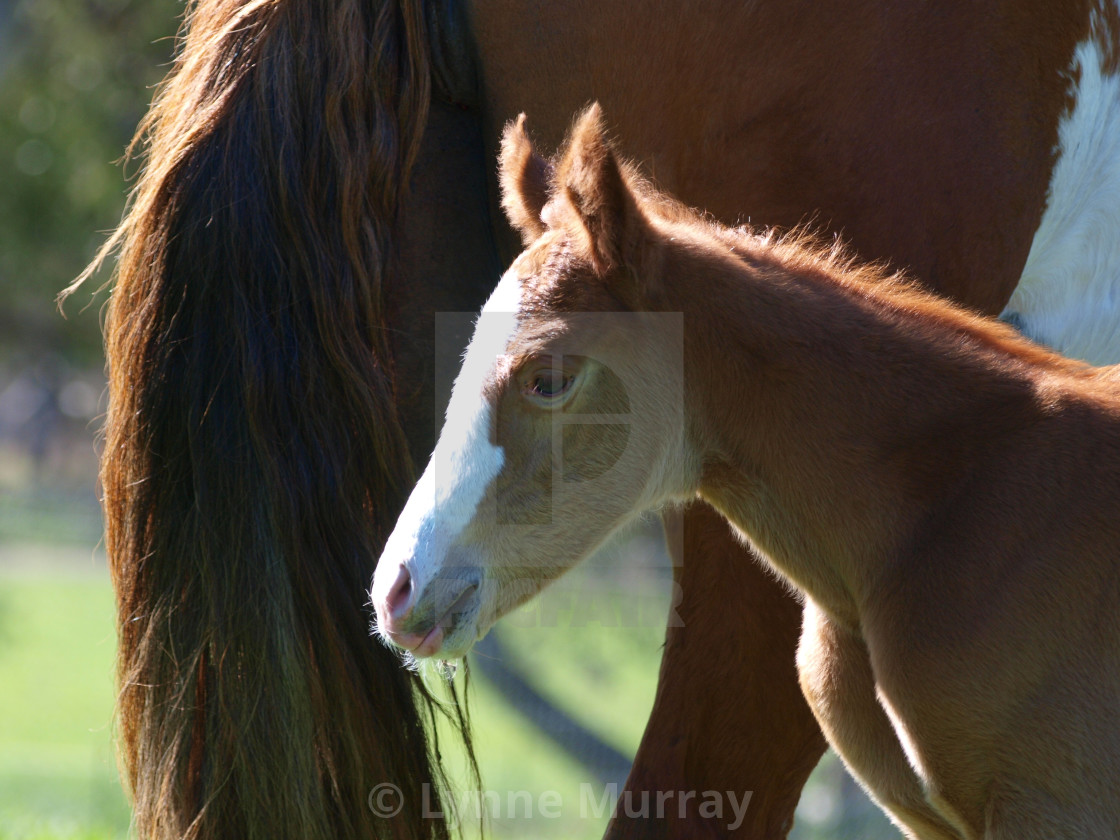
(839,684)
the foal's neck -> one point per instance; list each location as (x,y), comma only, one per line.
(834,408)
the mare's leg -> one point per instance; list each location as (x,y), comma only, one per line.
(838,682)
(728,715)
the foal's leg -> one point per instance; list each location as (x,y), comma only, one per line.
(838,682)
(728,715)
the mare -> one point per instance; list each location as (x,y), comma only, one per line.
(270,349)
(943,492)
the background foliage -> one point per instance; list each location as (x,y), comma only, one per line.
(75,77)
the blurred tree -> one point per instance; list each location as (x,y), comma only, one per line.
(75,78)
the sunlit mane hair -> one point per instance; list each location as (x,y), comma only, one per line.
(889,289)
(804,249)
(253,457)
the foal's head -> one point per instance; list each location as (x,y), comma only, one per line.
(566,420)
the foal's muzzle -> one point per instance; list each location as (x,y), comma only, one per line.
(418,620)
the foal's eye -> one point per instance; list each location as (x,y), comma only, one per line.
(549,384)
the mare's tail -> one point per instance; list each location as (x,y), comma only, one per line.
(253,459)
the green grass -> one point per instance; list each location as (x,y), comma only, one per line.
(521,775)
(58,776)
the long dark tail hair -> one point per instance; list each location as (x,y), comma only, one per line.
(253,459)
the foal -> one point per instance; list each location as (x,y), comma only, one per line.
(945,494)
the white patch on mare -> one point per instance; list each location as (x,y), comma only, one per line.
(464,461)
(1069,294)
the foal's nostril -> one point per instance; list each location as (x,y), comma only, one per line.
(399,600)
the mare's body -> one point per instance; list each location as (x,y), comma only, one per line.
(317,187)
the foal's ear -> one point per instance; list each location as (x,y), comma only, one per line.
(591,182)
(524,179)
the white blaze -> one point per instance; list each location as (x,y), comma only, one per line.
(464,461)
